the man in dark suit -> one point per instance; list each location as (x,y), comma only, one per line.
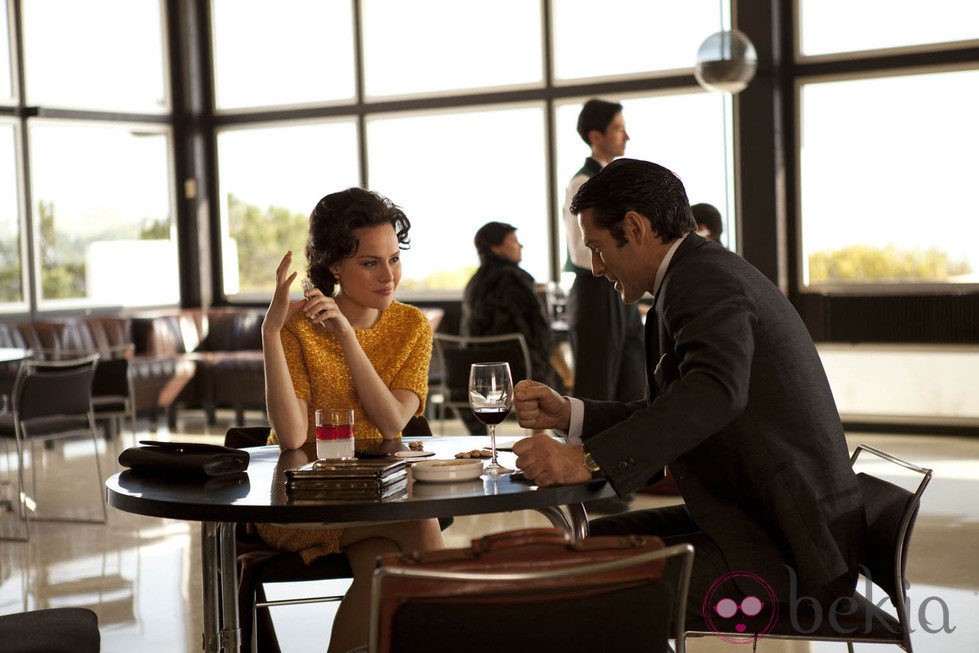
(739,407)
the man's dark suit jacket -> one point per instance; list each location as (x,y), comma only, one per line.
(741,411)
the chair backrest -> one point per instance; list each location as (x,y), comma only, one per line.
(45,388)
(239,437)
(591,601)
(891,513)
(416,426)
(457,353)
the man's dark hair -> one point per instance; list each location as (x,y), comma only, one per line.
(491,235)
(598,115)
(632,185)
(332,230)
(708,216)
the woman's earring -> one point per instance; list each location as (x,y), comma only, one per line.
(336,276)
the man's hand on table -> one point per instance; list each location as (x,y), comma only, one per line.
(549,462)
(538,407)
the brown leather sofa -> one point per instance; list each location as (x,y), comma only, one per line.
(151,382)
(225,345)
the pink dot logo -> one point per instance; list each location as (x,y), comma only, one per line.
(725,616)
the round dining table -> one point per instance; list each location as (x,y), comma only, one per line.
(259,495)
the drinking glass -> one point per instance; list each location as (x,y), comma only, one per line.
(490,397)
(335,434)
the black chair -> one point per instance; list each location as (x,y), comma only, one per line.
(526,606)
(455,355)
(891,513)
(259,564)
(51,400)
(58,630)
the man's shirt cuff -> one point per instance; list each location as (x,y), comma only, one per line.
(576,421)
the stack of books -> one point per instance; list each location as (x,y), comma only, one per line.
(343,480)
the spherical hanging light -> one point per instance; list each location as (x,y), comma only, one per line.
(726,61)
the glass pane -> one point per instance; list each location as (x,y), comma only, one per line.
(888,169)
(300,52)
(11,275)
(450,45)
(270,179)
(686,133)
(102,213)
(100,54)
(619,37)
(495,171)
(6,71)
(846,26)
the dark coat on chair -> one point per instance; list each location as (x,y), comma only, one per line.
(741,411)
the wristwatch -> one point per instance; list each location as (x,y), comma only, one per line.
(591,465)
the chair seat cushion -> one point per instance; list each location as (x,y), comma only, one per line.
(74,630)
(42,426)
(109,404)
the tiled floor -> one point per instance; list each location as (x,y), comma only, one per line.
(141,575)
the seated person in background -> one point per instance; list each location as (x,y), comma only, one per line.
(500,298)
(358,349)
(709,223)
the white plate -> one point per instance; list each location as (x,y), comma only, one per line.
(413,454)
(446,490)
(447,471)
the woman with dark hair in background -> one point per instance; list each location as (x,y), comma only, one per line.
(348,344)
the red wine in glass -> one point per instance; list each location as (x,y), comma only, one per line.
(491,415)
(490,397)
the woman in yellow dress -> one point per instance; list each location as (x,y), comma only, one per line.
(358,349)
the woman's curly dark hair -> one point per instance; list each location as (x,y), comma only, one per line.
(332,227)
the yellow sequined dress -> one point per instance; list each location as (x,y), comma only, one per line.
(399,346)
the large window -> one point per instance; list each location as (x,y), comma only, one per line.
(6,63)
(427,46)
(270,179)
(95,226)
(887,181)
(97,54)
(291,52)
(11,271)
(629,37)
(452,113)
(452,173)
(103,228)
(837,26)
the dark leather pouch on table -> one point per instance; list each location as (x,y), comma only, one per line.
(185,458)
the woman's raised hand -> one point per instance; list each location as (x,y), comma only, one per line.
(280,308)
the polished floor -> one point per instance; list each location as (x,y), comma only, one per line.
(142,576)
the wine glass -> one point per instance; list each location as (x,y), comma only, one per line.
(490,397)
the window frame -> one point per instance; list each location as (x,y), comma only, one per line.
(870,53)
(859,289)
(946,315)
(26,240)
(42,305)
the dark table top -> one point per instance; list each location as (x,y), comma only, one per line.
(260,496)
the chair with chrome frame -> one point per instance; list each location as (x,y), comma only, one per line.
(891,512)
(455,354)
(528,601)
(51,400)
